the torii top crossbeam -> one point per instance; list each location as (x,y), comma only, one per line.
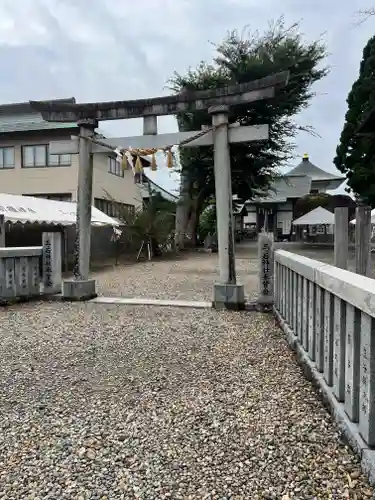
(169,105)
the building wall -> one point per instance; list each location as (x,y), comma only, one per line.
(319,186)
(60,182)
(111,186)
(36,180)
(251,217)
(284,220)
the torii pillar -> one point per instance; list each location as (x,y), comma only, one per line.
(81,287)
(227,293)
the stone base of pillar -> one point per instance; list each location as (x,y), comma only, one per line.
(78,290)
(265,303)
(230,297)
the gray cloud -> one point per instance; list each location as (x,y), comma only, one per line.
(108,49)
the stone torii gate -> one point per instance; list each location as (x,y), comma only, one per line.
(227,293)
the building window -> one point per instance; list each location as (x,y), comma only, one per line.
(114,208)
(115,167)
(34,156)
(60,160)
(38,156)
(52,196)
(6,157)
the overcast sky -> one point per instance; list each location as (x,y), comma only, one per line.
(111,50)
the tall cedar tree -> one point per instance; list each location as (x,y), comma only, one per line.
(355,154)
(241,58)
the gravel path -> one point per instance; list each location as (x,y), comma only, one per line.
(108,402)
(188,278)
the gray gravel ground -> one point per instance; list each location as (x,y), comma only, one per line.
(107,402)
(190,277)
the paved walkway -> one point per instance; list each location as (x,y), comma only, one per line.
(113,402)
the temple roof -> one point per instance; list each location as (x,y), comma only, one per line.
(286,187)
(316,173)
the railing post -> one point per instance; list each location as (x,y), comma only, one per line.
(283,291)
(295,302)
(276,284)
(290,297)
(352,362)
(328,337)
(2,231)
(299,307)
(305,322)
(367,380)
(319,335)
(311,312)
(339,348)
(9,288)
(285,288)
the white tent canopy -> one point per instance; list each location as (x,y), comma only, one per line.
(27,209)
(316,217)
(372,218)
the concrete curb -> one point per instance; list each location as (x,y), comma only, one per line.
(131,301)
(250,306)
(348,429)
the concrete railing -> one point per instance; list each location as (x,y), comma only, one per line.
(27,272)
(20,274)
(329,314)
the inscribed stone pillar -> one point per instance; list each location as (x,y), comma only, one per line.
(52,264)
(265,255)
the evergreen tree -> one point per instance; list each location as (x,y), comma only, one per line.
(355,154)
(240,58)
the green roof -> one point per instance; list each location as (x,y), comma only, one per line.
(21,117)
(26,126)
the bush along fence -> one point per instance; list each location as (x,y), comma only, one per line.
(28,272)
(328,315)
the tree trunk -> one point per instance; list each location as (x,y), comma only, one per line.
(192,225)
(182,210)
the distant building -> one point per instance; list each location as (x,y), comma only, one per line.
(276,209)
(149,188)
(27,168)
